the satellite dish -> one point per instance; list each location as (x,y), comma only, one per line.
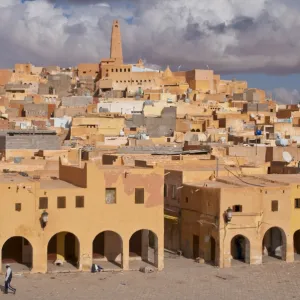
(287,157)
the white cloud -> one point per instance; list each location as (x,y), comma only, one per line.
(227,35)
(285,96)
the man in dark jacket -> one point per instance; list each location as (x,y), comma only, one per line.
(8,278)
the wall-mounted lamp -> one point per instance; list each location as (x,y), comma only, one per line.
(228,214)
(44,219)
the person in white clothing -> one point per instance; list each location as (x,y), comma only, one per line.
(8,278)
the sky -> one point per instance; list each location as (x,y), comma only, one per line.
(253,40)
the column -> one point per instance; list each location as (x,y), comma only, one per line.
(288,250)
(145,244)
(39,258)
(85,253)
(256,251)
(159,253)
(125,254)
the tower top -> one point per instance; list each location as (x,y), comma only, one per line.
(116,43)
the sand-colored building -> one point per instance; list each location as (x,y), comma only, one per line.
(263,226)
(95,214)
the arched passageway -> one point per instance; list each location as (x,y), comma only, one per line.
(296,239)
(63,251)
(240,249)
(143,248)
(213,247)
(18,252)
(274,244)
(107,247)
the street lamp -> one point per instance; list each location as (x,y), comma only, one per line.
(228,214)
(44,219)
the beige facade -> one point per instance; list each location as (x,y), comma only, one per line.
(260,227)
(103,213)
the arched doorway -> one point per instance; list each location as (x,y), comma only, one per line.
(297,245)
(274,244)
(143,248)
(17,251)
(212,259)
(240,249)
(107,248)
(63,251)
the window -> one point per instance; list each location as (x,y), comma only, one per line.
(139,196)
(186,199)
(124,70)
(128,70)
(61,202)
(173,191)
(274,205)
(120,70)
(112,70)
(18,207)
(110,196)
(165,190)
(43,203)
(297,203)
(237,208)
(79,201)
(116,70)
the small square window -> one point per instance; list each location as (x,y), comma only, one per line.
(61,202)
(237,208)
(110,196)
(274,205)
(18,206)
(43,203)
(139,196)
(297,203)
(79,201)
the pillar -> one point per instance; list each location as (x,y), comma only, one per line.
(125,254)
(289,249)
(256,251)
(159,252)
(145,244)
(39,258)
(85,254)
(60,246)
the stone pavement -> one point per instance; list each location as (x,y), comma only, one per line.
(181,279)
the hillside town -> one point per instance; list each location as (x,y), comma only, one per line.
(116,164)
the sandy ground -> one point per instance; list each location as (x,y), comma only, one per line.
(181,279)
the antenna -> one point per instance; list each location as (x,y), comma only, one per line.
(287,157)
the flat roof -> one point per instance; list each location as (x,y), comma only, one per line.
(14,178)
(260,181)
(56,184)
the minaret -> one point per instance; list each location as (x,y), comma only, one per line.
(116,43)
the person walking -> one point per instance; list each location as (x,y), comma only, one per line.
(8,278)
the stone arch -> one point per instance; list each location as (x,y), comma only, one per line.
(240,248)
(18,250)
(274,243)
(296,241)
(108,246)
(64,247)
(143,247)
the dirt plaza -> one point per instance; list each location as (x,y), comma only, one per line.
(181,279)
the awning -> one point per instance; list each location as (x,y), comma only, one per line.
(172,218)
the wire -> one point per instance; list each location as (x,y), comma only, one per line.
(242,179)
